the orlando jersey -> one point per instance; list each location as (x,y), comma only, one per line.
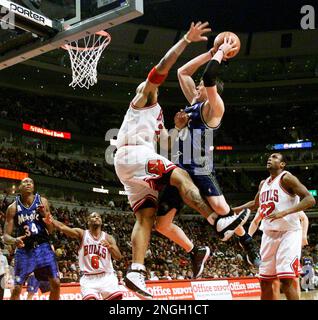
(195,153)
(29,222)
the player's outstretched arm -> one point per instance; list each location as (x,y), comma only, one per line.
(44,210)
(159,73)
(76,233)
(185,73)
(194,34)
(252,205)
(110,244)
(254,224)
(248,205)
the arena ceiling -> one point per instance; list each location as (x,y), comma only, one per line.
(238,15)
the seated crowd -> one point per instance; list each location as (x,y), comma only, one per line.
(165,260)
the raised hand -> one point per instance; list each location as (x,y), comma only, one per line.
(196,31)
(181,119)
(19,241)
(105,243)
(48,219)
(229,45)
(276,215)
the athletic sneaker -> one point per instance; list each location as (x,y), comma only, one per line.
(135,281)
(198,258)
(225,226)
(252,252)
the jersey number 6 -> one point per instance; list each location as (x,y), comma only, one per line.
(95,262)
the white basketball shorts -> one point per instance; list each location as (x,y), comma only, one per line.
(100,287)
(280,254)
(138,168)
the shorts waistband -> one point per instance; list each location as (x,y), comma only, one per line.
(95,274)
(35,244)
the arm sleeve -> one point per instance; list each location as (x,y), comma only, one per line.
(210,73)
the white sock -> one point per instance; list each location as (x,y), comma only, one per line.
(211,219)
(138,266)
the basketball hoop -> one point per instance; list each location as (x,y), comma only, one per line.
(84,59)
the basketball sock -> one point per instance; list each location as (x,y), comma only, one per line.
(138,266)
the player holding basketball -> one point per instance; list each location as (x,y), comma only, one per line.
(279,201)
(95,254)
(200,119)
(34,253)
(142,171)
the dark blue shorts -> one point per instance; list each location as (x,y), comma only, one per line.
(170,198)
(207,184)
(40,260)
(34,285)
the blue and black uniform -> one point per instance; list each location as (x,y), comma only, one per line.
(195,155)
(33,285)
(37,255)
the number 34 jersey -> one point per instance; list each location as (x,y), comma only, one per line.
(93,257)
(274,198)
(29,222)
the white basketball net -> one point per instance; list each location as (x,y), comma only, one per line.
(84,59)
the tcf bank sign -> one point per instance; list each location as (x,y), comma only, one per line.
(308,22)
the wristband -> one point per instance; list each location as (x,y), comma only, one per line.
(222,51)
(177,128)
(185,38)
(156,78)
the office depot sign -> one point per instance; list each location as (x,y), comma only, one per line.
(207,289)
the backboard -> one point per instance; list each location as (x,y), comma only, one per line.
(32,27)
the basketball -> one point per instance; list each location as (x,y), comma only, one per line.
(219,40)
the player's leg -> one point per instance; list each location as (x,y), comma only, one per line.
(170,203)
(89,287)
(223,217)
(267,269)
(209,187)
(24,264)
(267,292)
(109,287)
(288,257)
(140,237)
(32,287)
(289,289)
(47,269)
(54,288)
(276,289)
(165,226)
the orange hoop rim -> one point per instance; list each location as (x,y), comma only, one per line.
(99,33)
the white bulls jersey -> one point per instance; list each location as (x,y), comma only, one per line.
(274,198)
(141,126)
(93,257)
